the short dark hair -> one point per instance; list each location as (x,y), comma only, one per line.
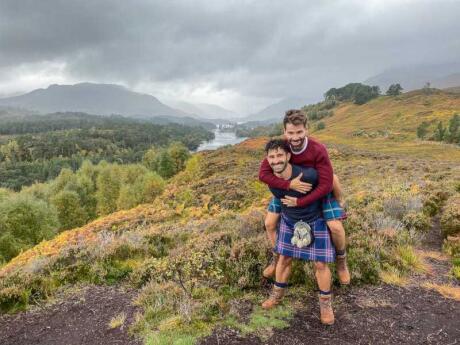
(275,144)
(295,117)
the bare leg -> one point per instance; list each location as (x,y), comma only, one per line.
(283,270)
(337,189)
(323,276)
(271,222)
(337,234)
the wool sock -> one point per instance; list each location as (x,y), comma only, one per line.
(281,285)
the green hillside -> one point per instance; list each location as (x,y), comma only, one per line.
(389,124)
(200,247)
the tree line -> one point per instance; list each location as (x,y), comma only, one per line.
(448,134)
(39,148)
(42,210)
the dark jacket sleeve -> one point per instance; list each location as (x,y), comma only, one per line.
(325,178)
(266,176)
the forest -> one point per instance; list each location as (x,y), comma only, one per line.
(38,147)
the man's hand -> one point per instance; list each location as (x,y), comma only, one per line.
(289,201)
(299,186)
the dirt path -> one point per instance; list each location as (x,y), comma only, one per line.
(81,318)
(414,314)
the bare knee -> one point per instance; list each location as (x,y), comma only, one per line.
(271,221)
(336,227)
(284,261)
(321,266)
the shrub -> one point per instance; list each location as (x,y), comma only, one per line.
(71,214)
(320,125)
(24,222)
(450,219)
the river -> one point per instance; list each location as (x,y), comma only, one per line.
(221,139)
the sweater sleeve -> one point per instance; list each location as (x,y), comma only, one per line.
(325,177)
(266,176)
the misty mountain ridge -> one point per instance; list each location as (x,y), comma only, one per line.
(203,110)
(101,99)
(276,111)
(415,77)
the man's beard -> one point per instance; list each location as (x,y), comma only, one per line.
(298,147)
(284,165)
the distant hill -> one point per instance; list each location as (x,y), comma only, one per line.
(455,89)
(204,110)
(415,77)
(12,113)
(101,99)
(275,112)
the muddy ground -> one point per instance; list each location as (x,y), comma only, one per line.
(81,317)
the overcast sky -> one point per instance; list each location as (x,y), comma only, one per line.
(238,54)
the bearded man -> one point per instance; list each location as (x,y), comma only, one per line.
(303,233)
(306,152)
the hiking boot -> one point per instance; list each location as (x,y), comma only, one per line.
(342,269)
(270,270)
(325,308)
(275,298)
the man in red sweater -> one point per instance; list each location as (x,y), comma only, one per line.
(309,153)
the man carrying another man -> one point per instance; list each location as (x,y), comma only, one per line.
(291,202)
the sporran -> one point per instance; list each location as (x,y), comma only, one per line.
(303,235)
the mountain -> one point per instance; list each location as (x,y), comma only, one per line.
(204,110)
(100,99)
(275,112)
(415,77)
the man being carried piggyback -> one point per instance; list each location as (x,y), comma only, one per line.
(306,152)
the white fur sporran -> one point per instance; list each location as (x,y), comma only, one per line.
(303,236)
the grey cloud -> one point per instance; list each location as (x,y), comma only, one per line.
(276,49)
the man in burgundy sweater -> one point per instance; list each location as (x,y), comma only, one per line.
(309,153)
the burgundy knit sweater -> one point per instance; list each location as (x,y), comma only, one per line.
(315,156)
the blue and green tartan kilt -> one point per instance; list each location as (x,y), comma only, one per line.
(331,208)
(322,249)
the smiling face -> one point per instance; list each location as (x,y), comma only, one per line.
(295,135)
(278,159)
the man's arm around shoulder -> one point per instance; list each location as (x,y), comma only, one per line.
(325,177)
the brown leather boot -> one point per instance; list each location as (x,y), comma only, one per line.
(342,269)
(275,298)
(270,270)
(325,308)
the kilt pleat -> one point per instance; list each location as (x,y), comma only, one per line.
(322,248)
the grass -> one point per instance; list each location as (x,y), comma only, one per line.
(171,338)
(117,321)
(410,260)
(263,322)
(447,291)
(393,277)
(398,117)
